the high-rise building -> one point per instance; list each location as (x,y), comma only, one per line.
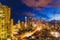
(30,21)
(4,22)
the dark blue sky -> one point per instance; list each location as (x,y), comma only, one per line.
(20,9)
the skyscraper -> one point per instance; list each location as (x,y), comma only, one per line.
(4,21)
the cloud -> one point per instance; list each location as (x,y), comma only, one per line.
(28,14)
(44,3)
(55,17)
(35,3)
(57,4)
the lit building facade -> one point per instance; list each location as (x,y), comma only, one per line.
(4,21)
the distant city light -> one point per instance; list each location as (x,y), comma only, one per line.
(1,15)
(15,32)
(1,11)
(25,17)
(55,34)
(3,32)
(38,28)
(33,37)
(34,25)
(52,33)
(8,39)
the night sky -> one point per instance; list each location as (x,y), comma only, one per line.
(45,9)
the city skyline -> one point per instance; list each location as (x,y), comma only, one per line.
(34,27)
(49,10)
